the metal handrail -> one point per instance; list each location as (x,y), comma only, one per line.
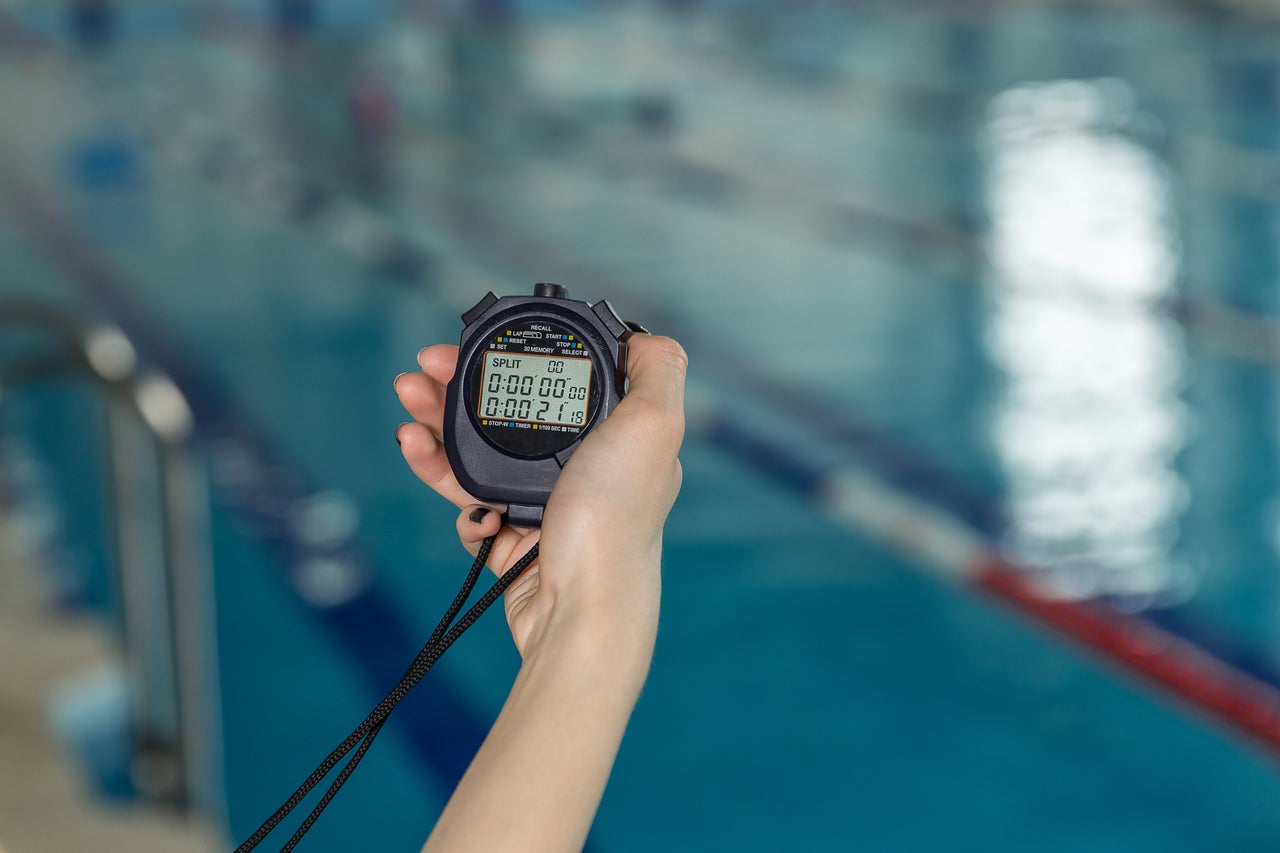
(173,761)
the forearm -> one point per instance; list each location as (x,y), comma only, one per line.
(536,782)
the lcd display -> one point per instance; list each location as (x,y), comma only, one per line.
(535,389)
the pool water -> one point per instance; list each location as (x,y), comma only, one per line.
(1016,266)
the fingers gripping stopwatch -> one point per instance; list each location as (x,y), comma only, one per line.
(535,375)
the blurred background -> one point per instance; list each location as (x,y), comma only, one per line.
(977,547)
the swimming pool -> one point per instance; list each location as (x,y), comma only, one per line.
(1014,271)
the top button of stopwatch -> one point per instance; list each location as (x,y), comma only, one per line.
(546,290)
(550,291)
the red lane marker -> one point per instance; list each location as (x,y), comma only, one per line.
(1179,667)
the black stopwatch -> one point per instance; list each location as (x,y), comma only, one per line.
(535,375)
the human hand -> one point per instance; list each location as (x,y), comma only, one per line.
(601,536)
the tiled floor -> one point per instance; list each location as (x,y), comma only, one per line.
(44,807)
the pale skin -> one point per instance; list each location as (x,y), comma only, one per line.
(583,617)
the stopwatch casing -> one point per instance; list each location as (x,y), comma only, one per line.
(535,375)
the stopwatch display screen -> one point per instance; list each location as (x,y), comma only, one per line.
(534,387)
(541,389)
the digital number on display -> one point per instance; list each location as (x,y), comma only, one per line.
(535,389)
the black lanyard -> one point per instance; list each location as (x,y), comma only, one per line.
(441,639)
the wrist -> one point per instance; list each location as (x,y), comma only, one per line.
(597,640)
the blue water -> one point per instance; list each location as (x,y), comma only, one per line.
(982,240)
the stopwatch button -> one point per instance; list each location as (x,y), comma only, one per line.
(551,291)
(479,308)
(610,318)
(620,380)
(523,515)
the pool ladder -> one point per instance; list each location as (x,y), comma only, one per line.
(157,506)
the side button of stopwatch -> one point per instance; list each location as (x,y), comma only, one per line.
(610,318)
(620,379)
(479,308)
(524,515)
(550,291)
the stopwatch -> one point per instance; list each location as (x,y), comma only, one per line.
(535,375)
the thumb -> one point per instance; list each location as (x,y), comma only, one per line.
(656,368)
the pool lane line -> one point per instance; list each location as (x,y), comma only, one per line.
(1236,700)
(1181,668)
(442,734)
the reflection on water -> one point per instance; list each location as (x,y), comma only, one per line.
(1088,424)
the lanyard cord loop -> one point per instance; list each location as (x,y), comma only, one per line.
(439,642)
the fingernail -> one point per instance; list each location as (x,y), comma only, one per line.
(396,381)
(477,515)
(398,441)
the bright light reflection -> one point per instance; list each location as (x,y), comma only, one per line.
(1089,423)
